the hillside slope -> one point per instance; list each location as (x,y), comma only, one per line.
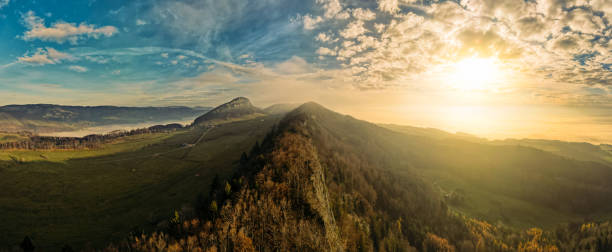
(89,198)
(236,109)
(322,181)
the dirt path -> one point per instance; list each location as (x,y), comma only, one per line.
(189,147)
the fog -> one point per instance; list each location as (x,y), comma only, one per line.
(110,128)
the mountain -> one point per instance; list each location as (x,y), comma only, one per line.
(52,118)
(322,181)
(317,181)
(236,109)
(282,108)
(574,150)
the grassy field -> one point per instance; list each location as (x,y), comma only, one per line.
(87,198)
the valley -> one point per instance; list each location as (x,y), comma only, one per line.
(138,184)
(133,185)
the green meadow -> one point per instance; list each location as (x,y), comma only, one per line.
(88,198)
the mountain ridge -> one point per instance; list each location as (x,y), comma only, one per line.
(237,108)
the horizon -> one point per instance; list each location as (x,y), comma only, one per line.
(530,69)
(501,137)
(402,125)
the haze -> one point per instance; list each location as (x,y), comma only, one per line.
(497,69)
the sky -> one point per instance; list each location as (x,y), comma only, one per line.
(494,68)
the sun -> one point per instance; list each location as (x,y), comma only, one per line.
(475,74)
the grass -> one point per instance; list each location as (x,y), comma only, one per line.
(515,185)
(130,143)
(482,204)
(87,198)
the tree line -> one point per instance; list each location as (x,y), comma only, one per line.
(94,141)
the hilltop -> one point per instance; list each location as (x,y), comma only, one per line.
(323,181)
(236,109)
(318,180)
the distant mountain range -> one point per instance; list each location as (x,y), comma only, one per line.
(43,118)
(309,179)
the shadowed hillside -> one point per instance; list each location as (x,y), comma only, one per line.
(322,181)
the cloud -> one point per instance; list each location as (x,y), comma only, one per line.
(353,29)
(311,22)
(61,31)
(584,20)
(98,59)
(397,41)
(326,51)
(4,3)
(332,8)
(140,22)
(532,28)
(363,14)
(78,69)
(390,6)
(44,56)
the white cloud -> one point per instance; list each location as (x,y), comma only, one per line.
(584,21)
(164,55)
(402,39)
(603,5)
(4,3)
(353,29)
(390,6)
(331,7)
(141,22)
(311,22)
(44,56)
(97,59)
(79,69)
(294,65)
(363,14)
(60,31)
(326,51)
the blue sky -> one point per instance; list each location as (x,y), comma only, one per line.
(401,61)
(126,44)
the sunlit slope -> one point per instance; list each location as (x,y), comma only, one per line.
(574,150)
(237,109)
(514,185)
(75,197)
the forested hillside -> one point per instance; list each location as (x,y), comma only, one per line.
(322,181)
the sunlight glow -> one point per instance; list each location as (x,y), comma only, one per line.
(475,74)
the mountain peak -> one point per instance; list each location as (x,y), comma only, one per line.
(240,100)
(315,110)
(239,107)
